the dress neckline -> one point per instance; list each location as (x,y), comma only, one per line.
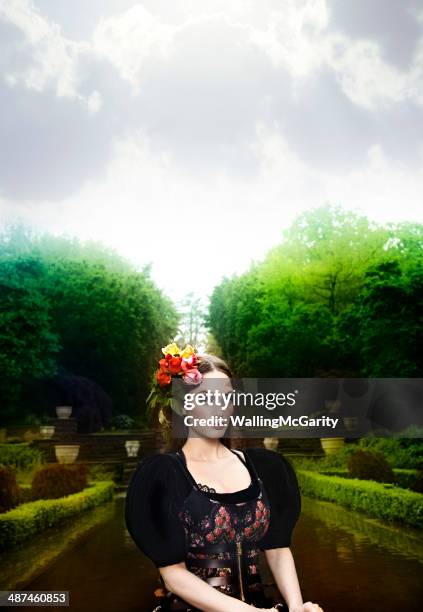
(241,494)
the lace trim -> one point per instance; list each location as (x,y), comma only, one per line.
(206,488)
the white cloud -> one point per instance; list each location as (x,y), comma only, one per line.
(130,39)
(50,59)
(366,78)
(293,34)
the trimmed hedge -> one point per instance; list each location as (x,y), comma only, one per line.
(381,500)
(404,478)
(26,520)
(9,490)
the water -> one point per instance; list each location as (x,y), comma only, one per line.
(345,562)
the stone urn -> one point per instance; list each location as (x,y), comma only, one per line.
(331,445)
(132,447)
(47,431)
(66,453)
(271,443)
(63,412)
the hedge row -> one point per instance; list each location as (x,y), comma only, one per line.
(28,519)
(405,478)
(385,501)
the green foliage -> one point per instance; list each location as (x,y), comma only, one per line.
(408,479)
(26,520)
(418,484)
(122,421)
(380,500)
(20,456)
(403,453)
(339,296)
(336,460)
(368,465)
(399,452)
(9,490)
(67,306)
(383,326)
(29,344)
(58,479)
(105,472)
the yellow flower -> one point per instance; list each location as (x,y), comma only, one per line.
(171,349)
(187,352)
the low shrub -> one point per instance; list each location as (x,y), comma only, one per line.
(399,452)
(406,479)
(26,520)
(58,479)
(9,490)
(418,484)
(380,500)
(20,456)
(368,465)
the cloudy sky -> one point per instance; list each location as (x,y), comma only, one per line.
(189,133)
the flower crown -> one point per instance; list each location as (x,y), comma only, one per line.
(178,363)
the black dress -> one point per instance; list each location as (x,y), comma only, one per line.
(218,535)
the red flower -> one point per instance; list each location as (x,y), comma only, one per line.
(174,364)
(163,365)
(163,378)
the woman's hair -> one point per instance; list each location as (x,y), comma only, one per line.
(206,363)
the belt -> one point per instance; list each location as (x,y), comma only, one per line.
(240,578)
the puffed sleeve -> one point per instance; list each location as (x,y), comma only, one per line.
(151,510)
(281,485)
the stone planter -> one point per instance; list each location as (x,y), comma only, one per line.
(47,431)
(132,447)
(331,445)
(271,443)
(63,412)
(66,453)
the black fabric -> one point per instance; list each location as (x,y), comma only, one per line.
(159,486)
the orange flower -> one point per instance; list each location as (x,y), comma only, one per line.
(163,378)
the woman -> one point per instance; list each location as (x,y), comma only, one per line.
(203,513)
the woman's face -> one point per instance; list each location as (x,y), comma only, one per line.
(212,411)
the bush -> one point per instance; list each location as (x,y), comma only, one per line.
(20,456)
(399,452)
(9,490)
(367,465)
(21,523)
(418,484)
(380,500)
(122,421)
(58,479)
